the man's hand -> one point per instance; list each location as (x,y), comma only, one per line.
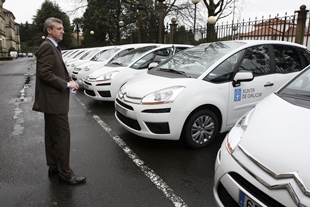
(74,85)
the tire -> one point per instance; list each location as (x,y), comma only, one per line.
(200,129)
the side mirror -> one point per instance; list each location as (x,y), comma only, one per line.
(152,65)
(242,76)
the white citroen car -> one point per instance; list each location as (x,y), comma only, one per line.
(263,159)
(103,84)
(204,90)
(80,72)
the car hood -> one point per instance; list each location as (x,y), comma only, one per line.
(151,83)
(104,70)
(92,62)
(278,138)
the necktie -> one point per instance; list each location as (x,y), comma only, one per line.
(58,48)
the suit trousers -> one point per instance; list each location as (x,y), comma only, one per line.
(57,143)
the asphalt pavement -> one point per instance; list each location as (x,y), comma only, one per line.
(121,168)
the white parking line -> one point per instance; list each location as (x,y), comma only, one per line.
(159,183)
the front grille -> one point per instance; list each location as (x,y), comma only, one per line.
(89,92)
(74,79)
(103,84)
(225,197)
(86,83)
(263,197)
(124,105)
(157,111)
(128,122)
(104,93)
(158,128)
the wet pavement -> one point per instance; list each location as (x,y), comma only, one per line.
(121,168)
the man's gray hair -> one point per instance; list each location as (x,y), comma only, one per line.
(49,23)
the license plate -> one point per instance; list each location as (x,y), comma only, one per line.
(121,110)
(245,201)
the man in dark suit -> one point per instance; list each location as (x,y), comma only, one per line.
(52,92)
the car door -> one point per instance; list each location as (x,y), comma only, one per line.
(245,95)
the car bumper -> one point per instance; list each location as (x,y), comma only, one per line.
(99,91)
(151,121)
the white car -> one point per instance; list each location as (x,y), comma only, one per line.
(204,90)
(81,71)
(92,53)
(103,84)
(263,159)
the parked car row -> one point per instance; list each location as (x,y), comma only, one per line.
(20,54)
(181,92)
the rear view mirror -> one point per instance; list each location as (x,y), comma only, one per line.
(152,65)
(242,76)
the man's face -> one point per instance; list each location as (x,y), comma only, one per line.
(56,33)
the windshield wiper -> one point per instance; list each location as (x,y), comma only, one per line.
(175,71)
(117,63)
(303,95)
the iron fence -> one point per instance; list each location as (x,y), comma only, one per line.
(291,28)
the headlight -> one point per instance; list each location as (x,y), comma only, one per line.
(87,68)
(236,133)
(107,76)
(76,69)
(167,95)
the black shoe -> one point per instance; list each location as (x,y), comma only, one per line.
(52,172)
(74,180)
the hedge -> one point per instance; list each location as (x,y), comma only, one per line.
(6,58)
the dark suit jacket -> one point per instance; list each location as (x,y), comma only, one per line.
(51,92)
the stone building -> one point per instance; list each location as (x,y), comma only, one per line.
(9,31)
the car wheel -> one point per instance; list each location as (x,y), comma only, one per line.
(200,129)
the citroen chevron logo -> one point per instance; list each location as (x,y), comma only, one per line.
(285,185)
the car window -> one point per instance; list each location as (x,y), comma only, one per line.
(156,56)
(256,59)
(89,54)
(121,53)
(306,54)
(106,54)
(194,61)
(144,61)
(298,87)
(178,49)
(97,55)
(80,53)
(162,54)
(287,59)
(224,71)
(127,59)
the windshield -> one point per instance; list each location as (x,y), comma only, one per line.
(107,54)
(298,87)
(194,61)
(130,56)
(90,54)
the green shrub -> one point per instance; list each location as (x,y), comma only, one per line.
(6,58)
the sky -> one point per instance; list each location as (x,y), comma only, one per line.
(24,10)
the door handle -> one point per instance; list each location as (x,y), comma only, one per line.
(268,84)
